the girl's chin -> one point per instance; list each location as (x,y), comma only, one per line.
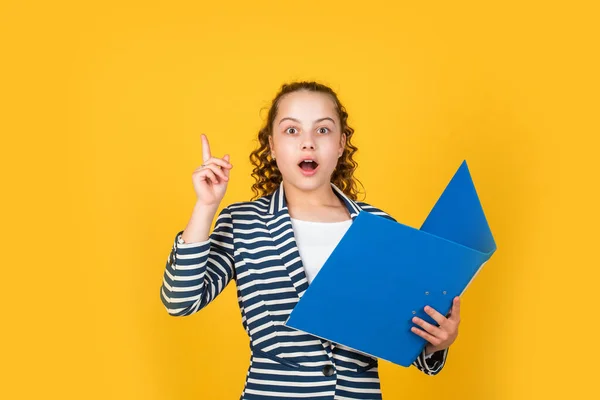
(305,182)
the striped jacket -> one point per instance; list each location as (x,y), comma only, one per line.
(253,243)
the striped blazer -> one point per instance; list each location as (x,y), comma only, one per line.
(253,243)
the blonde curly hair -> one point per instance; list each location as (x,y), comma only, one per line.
(265,172)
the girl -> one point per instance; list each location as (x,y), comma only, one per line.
(274,245)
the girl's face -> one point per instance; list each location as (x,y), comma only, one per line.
(307,127)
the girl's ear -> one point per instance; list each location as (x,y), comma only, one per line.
(271,147)
(342,144)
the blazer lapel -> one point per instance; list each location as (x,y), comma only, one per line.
(281,230)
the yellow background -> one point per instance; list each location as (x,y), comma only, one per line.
(102,108)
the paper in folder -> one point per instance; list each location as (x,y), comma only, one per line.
(382,273)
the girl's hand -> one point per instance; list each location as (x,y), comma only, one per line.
(441,337)
(211,178)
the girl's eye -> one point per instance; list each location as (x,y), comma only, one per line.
(323,128)
(288,130)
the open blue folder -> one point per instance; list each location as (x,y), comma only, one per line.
(382,273)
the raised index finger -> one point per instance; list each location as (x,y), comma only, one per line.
(205,149)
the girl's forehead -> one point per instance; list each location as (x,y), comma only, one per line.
(306,103)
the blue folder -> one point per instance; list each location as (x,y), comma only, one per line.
(382,273)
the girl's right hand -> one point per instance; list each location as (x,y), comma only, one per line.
(211,178)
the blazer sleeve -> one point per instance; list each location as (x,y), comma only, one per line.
(433,364)
(195,273)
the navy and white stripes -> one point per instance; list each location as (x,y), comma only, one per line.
(253,244)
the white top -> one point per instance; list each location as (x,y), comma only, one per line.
(316,241)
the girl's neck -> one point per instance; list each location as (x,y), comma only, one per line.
(322,196)
(320,204)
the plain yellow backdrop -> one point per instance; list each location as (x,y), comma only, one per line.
(103,104)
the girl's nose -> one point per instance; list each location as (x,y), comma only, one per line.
(308,143)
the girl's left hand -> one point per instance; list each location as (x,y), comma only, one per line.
(442,336)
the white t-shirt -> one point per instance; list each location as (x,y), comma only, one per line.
(316,241)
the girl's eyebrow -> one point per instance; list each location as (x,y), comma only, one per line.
(317,120)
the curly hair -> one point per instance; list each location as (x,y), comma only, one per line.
(265,172)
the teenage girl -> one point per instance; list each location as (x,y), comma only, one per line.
(274,245)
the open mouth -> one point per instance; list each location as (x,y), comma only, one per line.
(308,165)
